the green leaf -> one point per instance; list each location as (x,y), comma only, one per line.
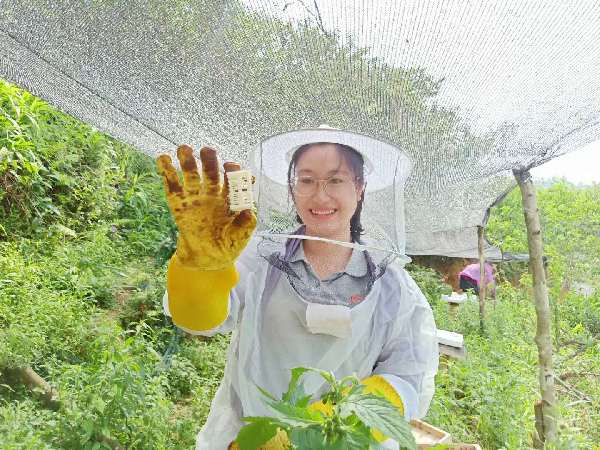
(296,395)
(256,434)
(298,414)
(377,412)
(283,422)
(357,437)
(307,438)
(266,393)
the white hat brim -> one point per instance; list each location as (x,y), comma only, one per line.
(384,162)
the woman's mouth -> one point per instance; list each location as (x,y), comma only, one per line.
(322,212)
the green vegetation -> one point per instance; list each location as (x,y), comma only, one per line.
(344,419)
(85,233)
(84,237)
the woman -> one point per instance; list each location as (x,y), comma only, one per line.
(469,278)
(320,301)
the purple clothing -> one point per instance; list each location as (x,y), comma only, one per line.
(472,272)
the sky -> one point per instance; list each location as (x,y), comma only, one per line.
(579,167)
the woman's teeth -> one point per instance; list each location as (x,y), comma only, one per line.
(322,212)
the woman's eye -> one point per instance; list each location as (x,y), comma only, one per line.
(336,180)
(307,181)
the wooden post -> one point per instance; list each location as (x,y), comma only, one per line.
(547,409)
(481,279)
(452,310)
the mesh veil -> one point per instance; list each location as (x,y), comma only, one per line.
(382,218)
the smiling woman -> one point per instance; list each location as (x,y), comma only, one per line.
(324,295)
(327,184)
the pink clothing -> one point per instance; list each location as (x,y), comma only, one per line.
(472,271)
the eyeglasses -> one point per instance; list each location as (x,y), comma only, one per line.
(305,186)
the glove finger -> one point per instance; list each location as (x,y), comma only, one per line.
(191,177)
(244,220)
(242,227)
(210,169)
(228,167)
(170,178)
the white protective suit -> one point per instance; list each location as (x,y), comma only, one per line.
(392,334)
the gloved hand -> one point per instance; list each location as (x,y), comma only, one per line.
(201,272)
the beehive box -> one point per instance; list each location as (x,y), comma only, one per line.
(427,435)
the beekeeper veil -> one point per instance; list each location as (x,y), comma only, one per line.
(386,169)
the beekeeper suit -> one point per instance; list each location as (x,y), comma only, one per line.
(269,301)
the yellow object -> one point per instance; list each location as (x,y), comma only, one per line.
(201,273)
(199,299)
(278,442)
(378,385)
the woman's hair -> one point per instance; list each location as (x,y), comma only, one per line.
(356,163)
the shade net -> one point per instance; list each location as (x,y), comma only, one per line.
(469,90)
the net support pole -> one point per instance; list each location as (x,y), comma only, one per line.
(546,409)
(481,278)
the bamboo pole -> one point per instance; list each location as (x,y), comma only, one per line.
(546,409)
(481,279)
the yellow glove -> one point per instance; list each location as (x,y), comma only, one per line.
(201,273)
(376,385)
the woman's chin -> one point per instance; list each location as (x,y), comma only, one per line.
(326,230)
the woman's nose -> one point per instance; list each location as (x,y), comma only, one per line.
(321,191)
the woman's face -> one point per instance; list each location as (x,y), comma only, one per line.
(325,212)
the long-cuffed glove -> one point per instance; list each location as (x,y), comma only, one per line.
(201,273)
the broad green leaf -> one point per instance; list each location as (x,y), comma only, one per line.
(328,376)
(292,412)
(295,389)
(266,393)
(310,438)
(357,437)
(256,434)
(377,412)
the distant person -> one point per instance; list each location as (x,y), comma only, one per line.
(469,278)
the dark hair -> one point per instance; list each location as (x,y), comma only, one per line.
(356,163)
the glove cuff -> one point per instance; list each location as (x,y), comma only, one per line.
(199,299)
(378,385)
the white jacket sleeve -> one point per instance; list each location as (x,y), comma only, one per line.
(245,265)
(410,355)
